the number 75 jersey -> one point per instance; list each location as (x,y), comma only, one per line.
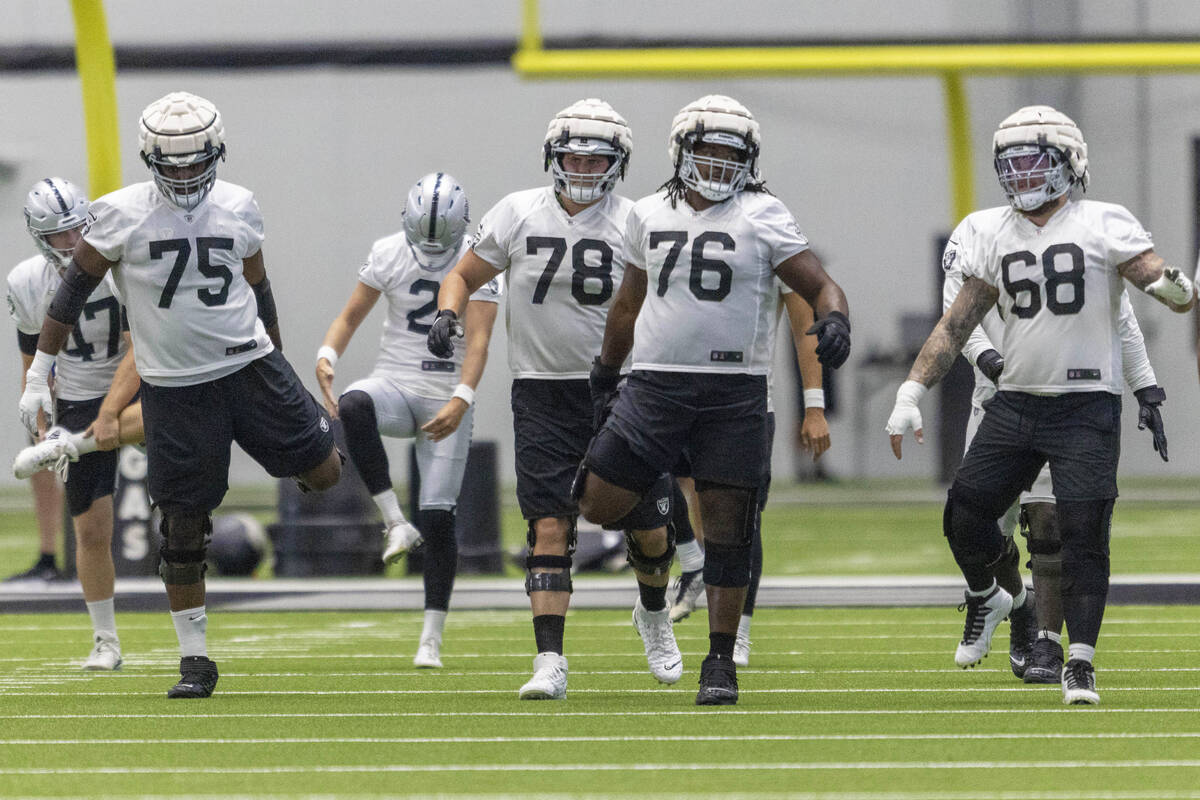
(562,274)
(711,295)
(1059,291)
(192,315)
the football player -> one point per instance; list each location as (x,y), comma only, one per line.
(409,395)
(814,438)
(1035,650)
(561,247)
(55,214)
(702,256)
(185,253)
(1055,265)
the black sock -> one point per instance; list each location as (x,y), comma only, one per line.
(721,644)
(654,598)
(548,630)
(46,560)
(440,557)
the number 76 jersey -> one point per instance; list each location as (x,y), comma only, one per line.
(562,274)
(192,315)
(1059,291)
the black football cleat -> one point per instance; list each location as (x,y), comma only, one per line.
(718,682)
(1022,633)
(1045,662)
(198,678)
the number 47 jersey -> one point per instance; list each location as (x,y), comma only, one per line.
(562,274)
(1060,292)
(192,315)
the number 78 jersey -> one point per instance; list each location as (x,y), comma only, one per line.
(562,274)
(711,295)
(192,316)
(1059,291)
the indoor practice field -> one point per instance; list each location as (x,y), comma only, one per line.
(837,702)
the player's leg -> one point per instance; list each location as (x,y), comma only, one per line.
(442,466)
(741,647)
(548,585)
(1039,525)
(688,534)
(369,409)
(47,508)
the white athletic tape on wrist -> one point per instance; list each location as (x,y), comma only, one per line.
(328,353)
(465,393)
(1178,291)
(814,398)
(41,365)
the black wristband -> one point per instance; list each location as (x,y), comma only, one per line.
(1150,395)
(841,316)
(68,301)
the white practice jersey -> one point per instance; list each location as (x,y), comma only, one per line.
(711,295)
(411,291)
(192,315)
(1135,362)
(84,368)
(1060,293)
(562,274)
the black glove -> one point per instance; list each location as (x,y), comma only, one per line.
(602,382)
(991,364)
(445,328)
(1149,399)
(833,339)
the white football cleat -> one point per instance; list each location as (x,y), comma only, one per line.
(658,637)
(428,655)
(106,655)
(398,540)
(1079,683)
(54,452)
(687,588)
(741,650)
(549,681)
(983,615)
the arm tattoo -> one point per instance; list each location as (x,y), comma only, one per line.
(947,340)
(1142,269)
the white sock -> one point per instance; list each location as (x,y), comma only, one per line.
(984,593)
(1080,652)
(1019,599)
(83,444)
(190,626)
(435,623)
(389,506)
(744,626)
(691,557)
(104,618)
(1046,633)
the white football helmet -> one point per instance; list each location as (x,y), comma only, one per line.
(716,119)
(436,217)
(52,206)
(588,127)
(182,130)
(1039,155)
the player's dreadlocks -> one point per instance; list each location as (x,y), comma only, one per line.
(676,188)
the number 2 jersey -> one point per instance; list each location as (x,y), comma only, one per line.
(411,291)
(1060,292)
(562,274)
(192,315)
(84,368)
(711,294)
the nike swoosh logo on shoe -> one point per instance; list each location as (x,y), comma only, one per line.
(672,666)
(1017,662)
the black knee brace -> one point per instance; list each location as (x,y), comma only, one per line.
(185,539)
(650,565)
(727,566)
(1039,526)
(560,579)
(1085,527)
(973,535)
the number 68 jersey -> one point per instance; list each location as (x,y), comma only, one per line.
(1060,292)
(562,274)
(192,315)
(711,295)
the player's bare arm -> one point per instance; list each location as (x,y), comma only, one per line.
(622,314)
(804,273)
(111,428)
(460,283)
(943,345)
(480,318)
(337,339)
(813,433)
(1168,285)
(255,273)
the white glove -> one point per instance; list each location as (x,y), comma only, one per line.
(906,415)
(36,396)
(1172,286)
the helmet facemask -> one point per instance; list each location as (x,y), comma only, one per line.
(715,179)
(186,193)
(584,187)
(1033,175)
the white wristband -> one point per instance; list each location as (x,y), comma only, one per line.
(465,393)
(814,398)
(328,353)
(40,367)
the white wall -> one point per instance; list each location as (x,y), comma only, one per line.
(860,161)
